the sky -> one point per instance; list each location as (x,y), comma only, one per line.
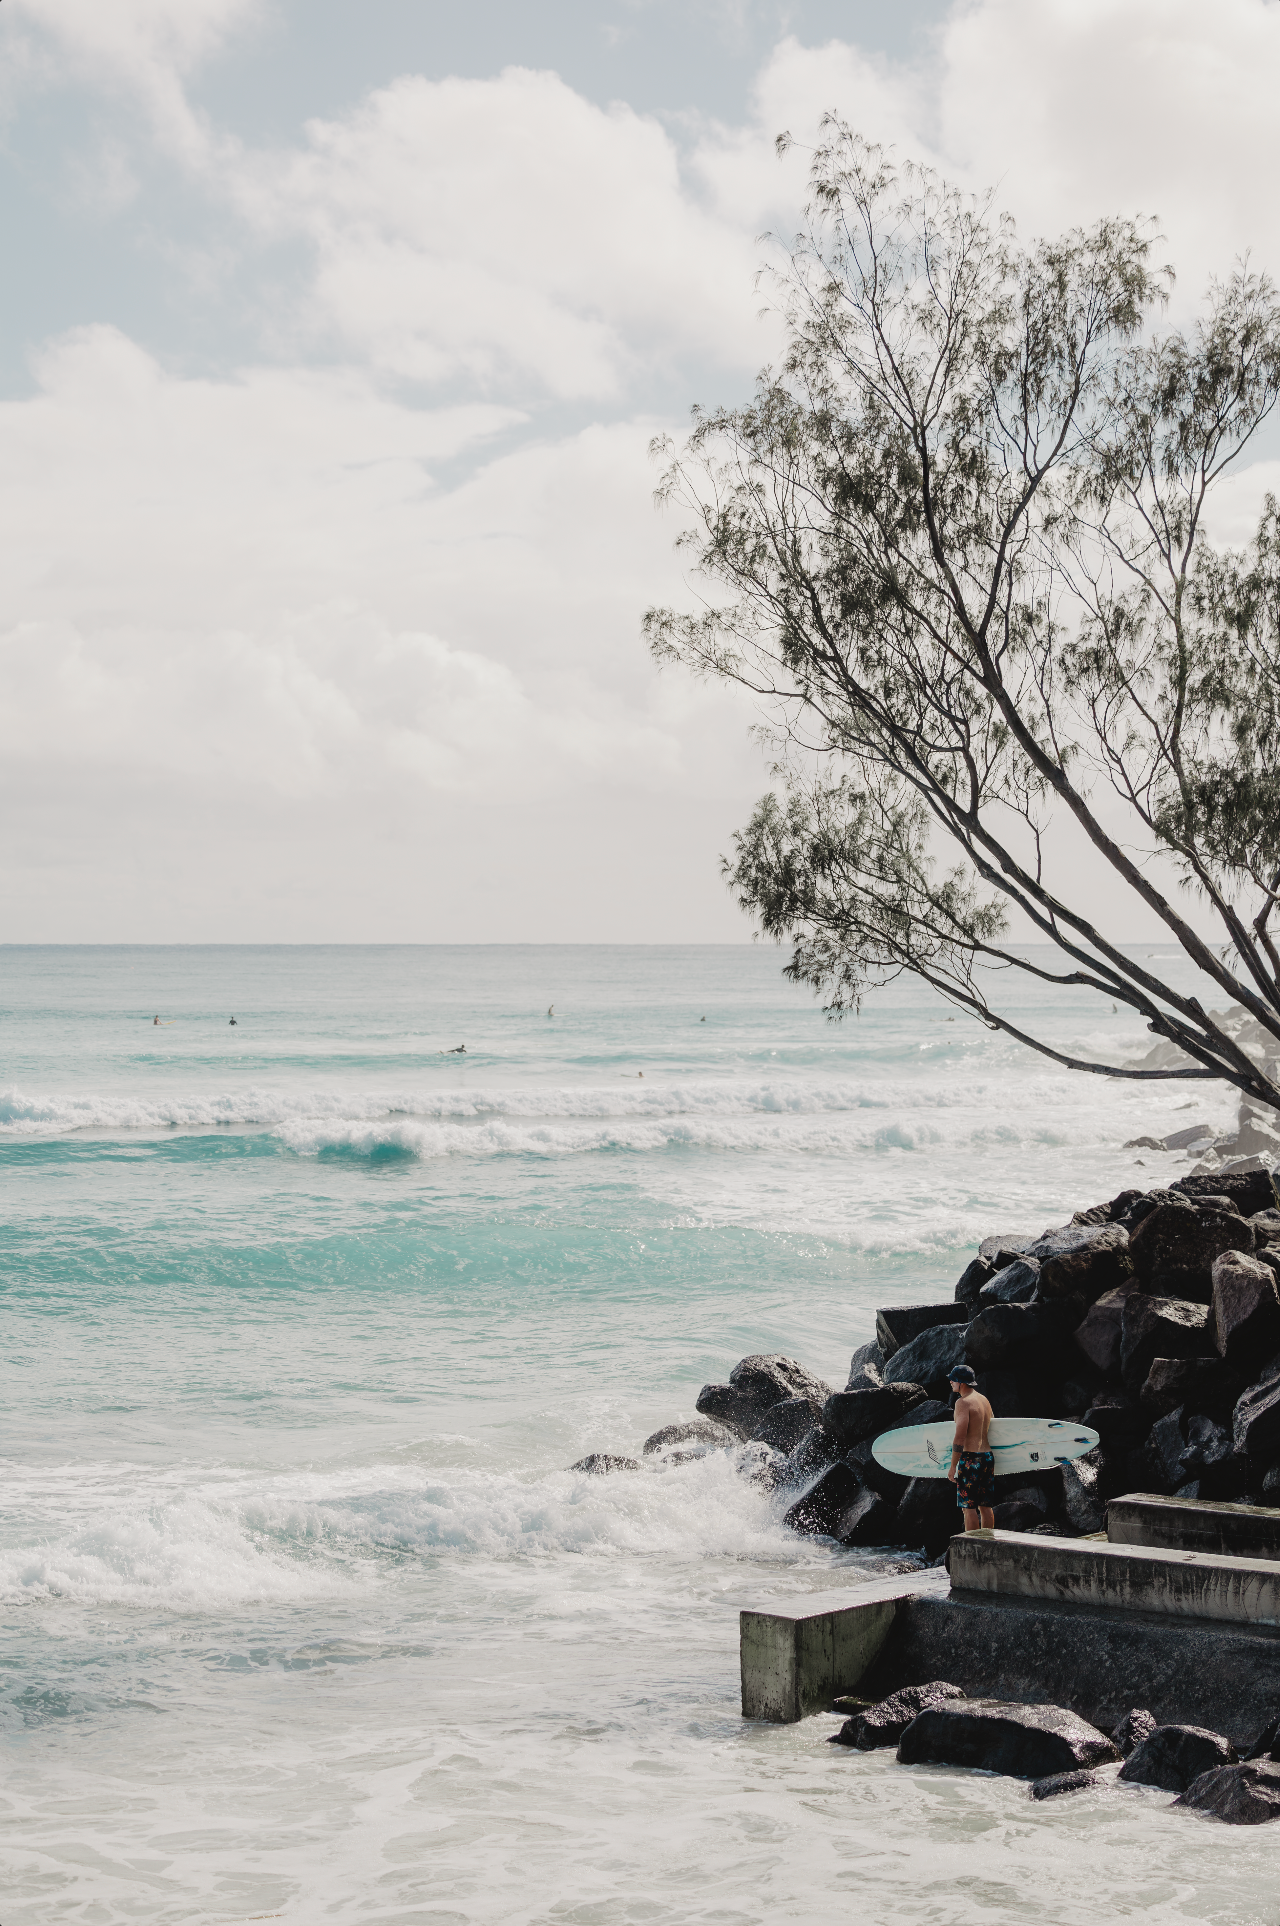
(333,342)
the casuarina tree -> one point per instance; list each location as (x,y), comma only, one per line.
(957,545)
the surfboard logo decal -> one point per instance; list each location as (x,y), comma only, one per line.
(929,1447)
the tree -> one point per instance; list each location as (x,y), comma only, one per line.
(962,528)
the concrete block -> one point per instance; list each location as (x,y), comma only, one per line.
(1118,1578)
(796,1658)
(1187,1524)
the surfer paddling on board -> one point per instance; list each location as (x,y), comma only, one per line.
(973,1464)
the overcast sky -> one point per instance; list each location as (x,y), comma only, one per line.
(332,343)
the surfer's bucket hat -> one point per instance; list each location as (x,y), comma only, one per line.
(963,1374)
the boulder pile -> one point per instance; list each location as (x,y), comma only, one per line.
(1154,1318)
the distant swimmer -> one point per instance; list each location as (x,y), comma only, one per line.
(233,1022)
(461,1051)
(702,1019)
(156,1022)
(551,1009)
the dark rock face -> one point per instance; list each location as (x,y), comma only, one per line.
(1246,1308)
(1015,1394)
(1098,1336)
(1083,1499)
(1160,1327)
(1063,1782)
(1174,1755)
(866,1368)
(1012,1514)
(755,1386)
(821,1508)
(980,1272)
(1096,1263)
(1013,1285)
(1133,1728)
(702,1431)
(884,1724)
(761,1465)
(1166,1445)
(851,1416)
(785,1424)
(1249,1190)
(1267,1743)
(1239,1795)
(1116,1418)
(930,1358)
(1202,1384)
(1256,1420)
(815,1451)
(869,1520)
(1023,1741)
(599,1463)
(1033,1337)
(1005,1246)
(1178,1238)
(900,1323)
(1210,1458)
(928,1514)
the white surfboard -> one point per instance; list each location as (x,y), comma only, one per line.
(1018,1444)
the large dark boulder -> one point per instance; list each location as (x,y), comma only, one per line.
(1099,1335)
(700,1431)
(1023,1741)
(866,1370)
(1015,1284)
(870,1520)
(1173,1755)
(1267,1743)
(1028,1337)
(1211,1460)
(1160,1327)
(1005,1246)
(1246,1309)
(1016,1394)
(851,1416)
(1165,1447)
(755,1385)
(928,1514)
(1083,1262)
(1201,1384)
(1084,1493)
(1255,1422)
(930,1358)
(972,1279)
(1248,1190)
(1176,1241)
(819,1511)
(815,1451)
(784,1425)
(1118,1420)
(899,1323)
(1133,1728)
(1240,1795)
(884,1724)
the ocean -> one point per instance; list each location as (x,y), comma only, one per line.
(304,1614)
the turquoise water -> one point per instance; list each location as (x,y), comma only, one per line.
(303,1613)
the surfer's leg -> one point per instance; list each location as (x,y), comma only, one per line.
(971,1520)
(988,1517)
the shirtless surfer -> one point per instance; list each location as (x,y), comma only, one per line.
(973,1464)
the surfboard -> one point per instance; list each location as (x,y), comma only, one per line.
(1018,1444)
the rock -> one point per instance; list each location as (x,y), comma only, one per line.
(1210,1458)
(1013,1285)
(899,1323)
(1176,1238)
(785,1424)
(760,1464)
(1027,1495)
(815,1451)
(1002,1249)
(821,1508)
(1063,1782)
(1264,1746)
(932,1411)
(1133,1728)
(755,1385)
(928,1514)
(1239,1795)
(1160,1327)
(1255,1422)
(1014,1394)
(1271,1483)
(1249,1190)
(1011,1514)
(1246,1308)
(884,1724)
(1080,1391)
(889,1484)
(865,1368)
(1174,1755)
(599,1463)
(1201,1384)
(1023,1741)
(851,1416)
(869,1520)
(1020,1336)
(975,1275)
(1118,1421)
(1094,1262)
(1082,1499)
(1166,1445)
(1098,1335)
(1266,1227)
(700,1431)
(930,1358)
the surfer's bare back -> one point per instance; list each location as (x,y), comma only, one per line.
(973,1463)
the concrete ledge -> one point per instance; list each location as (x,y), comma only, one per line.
(797,1657)
(1194,1524)
(1111,1578)
(1100,1665)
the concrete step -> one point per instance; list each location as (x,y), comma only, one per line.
(1194,1524)
(797,1655)
(1110,1578)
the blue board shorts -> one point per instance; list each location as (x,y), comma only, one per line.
(975,1479)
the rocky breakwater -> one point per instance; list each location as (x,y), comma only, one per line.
(1154,1318)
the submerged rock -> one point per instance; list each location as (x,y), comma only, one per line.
(1133,1728)
(599,1463)
(869,1520)
(1063,1782)
(1174,1755)
(700,1431)
(1239,1795)
(884,1724)
(1022,1741)
(821,1508)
